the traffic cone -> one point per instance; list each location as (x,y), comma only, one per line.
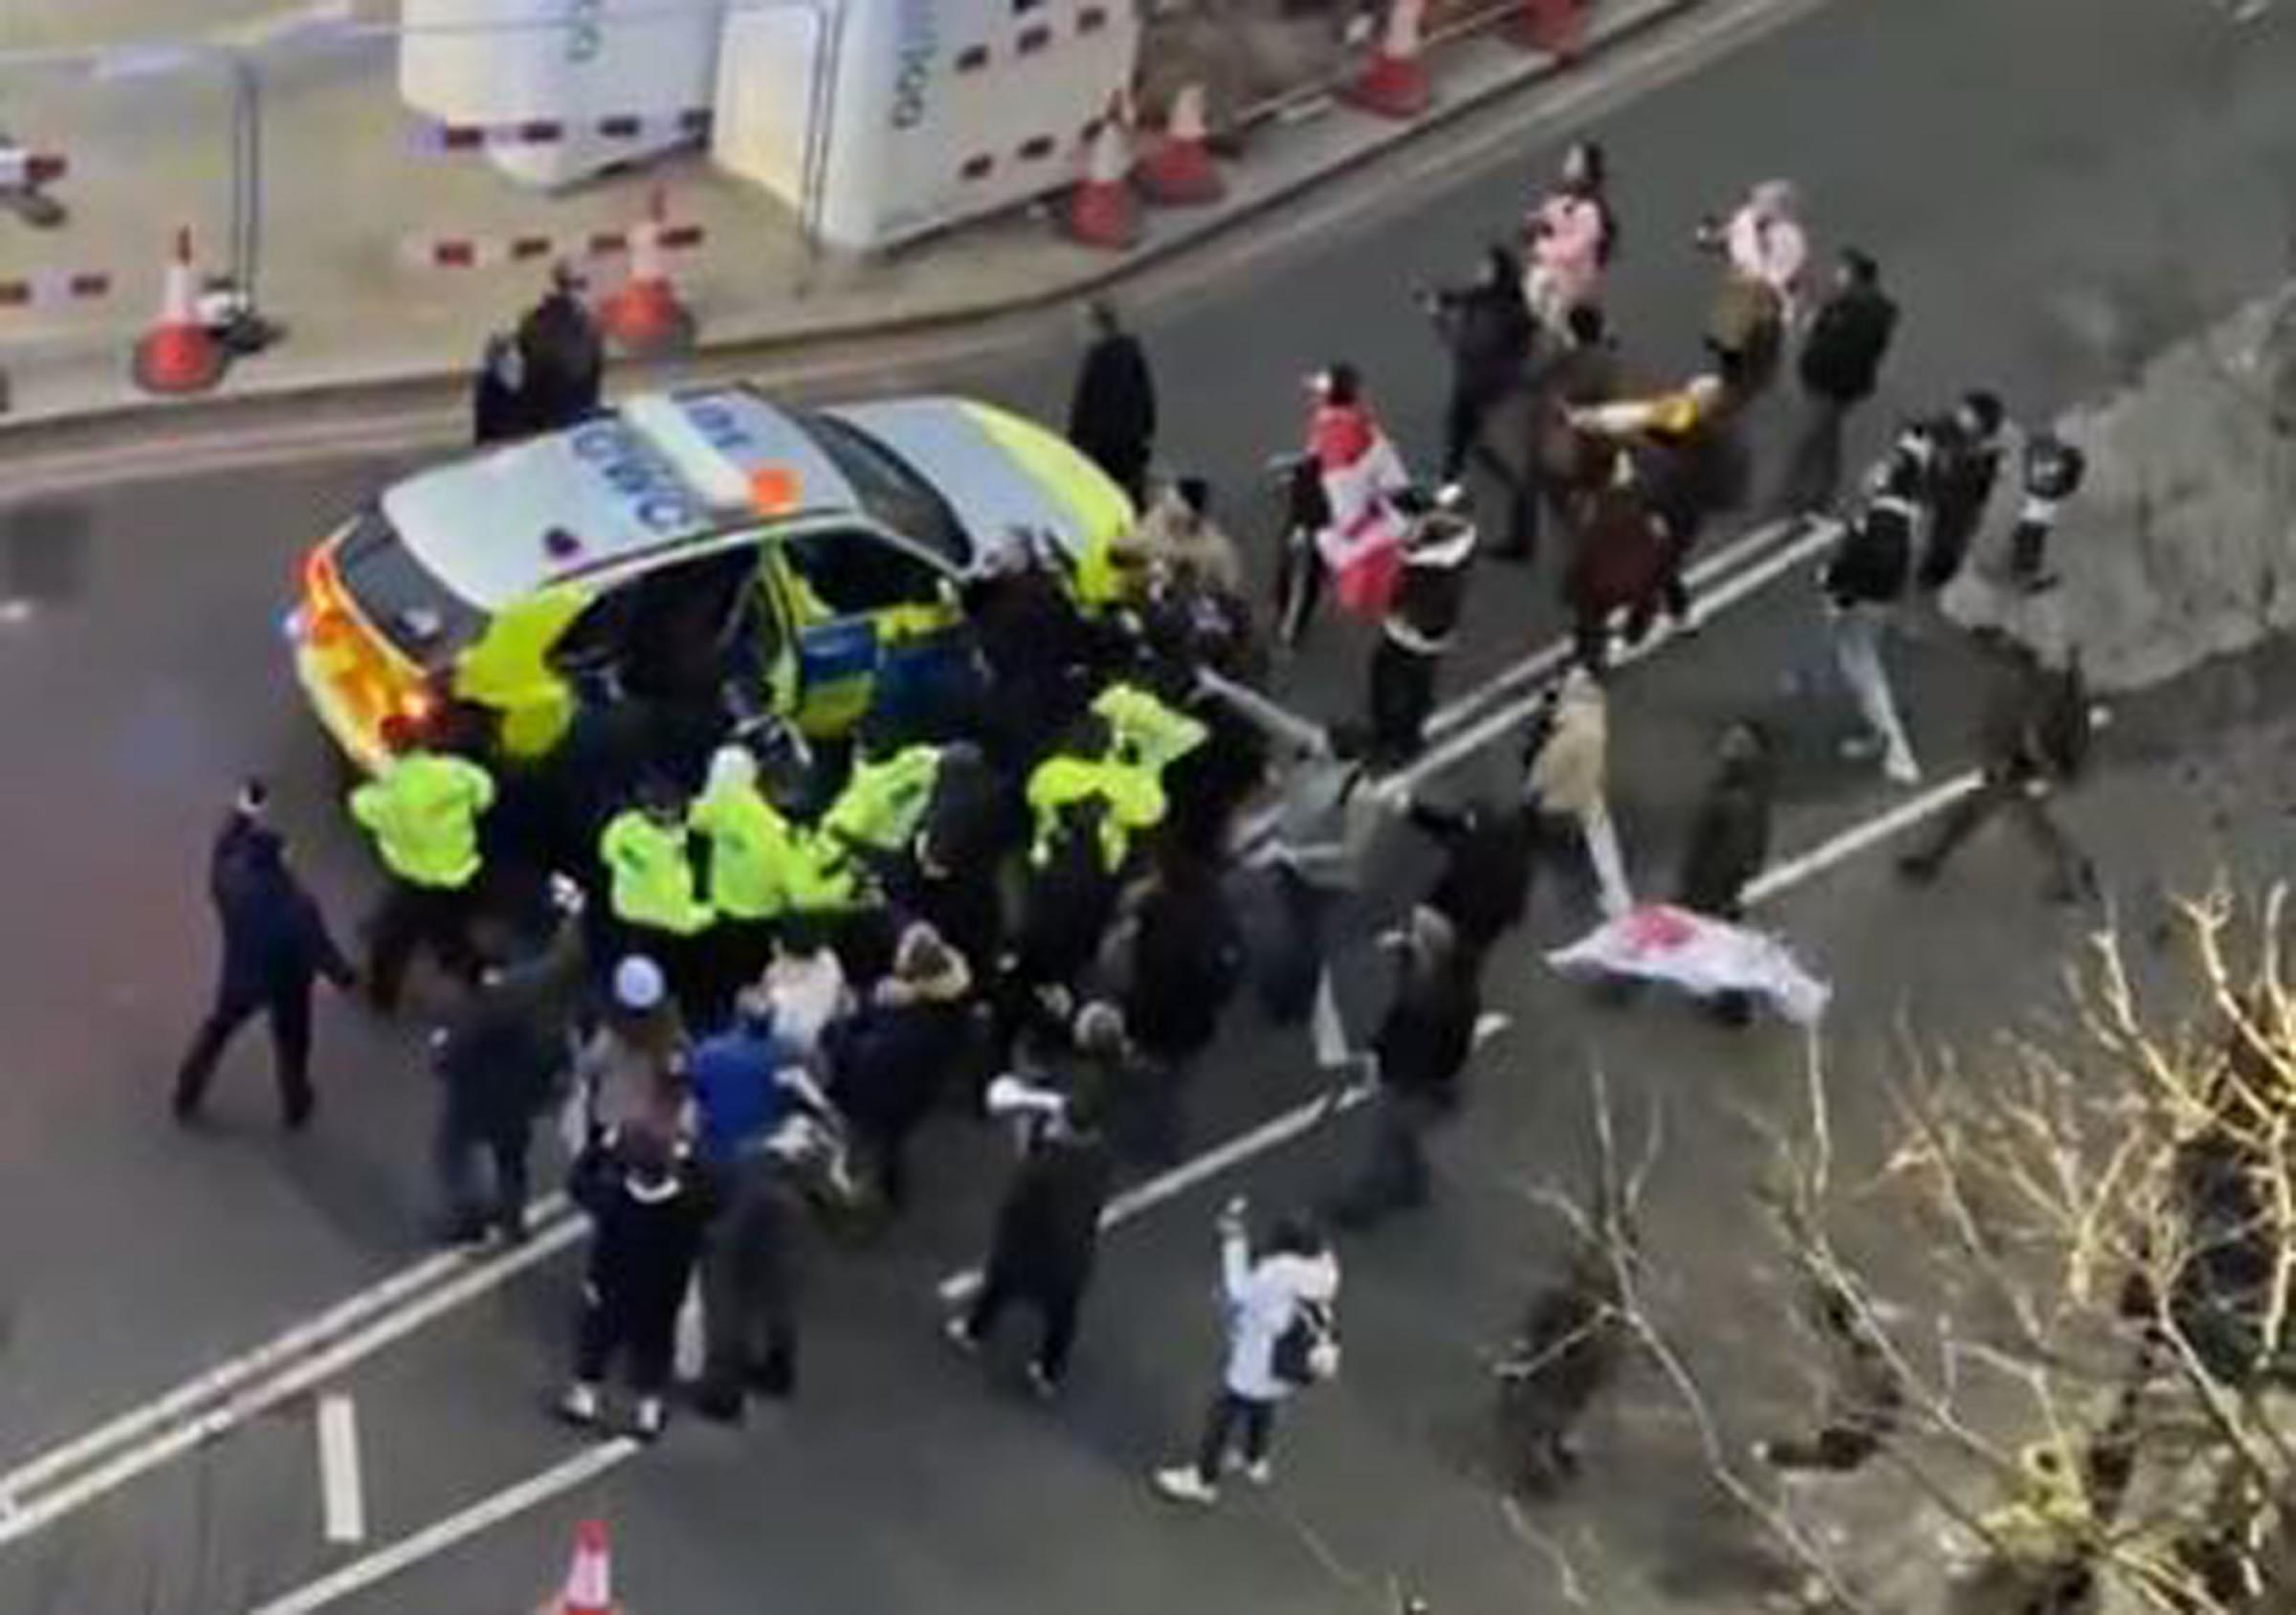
(179,354)
(1394,82)
(1101,210)
(590,1577)
(1178,172)
(1554,28)
(643,315)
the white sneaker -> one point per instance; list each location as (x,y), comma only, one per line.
(579,1405)
(651,1415)
(1901,768)
(961,1335)
(1182,1484)
(1259,1472)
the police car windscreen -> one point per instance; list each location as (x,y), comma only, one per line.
(889,490)
(421,617)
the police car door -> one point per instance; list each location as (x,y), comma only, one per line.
(876,623)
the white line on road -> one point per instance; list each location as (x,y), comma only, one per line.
(455,1528)
(342,1490)
(306,1373)
(1305,1117)
(227,1376)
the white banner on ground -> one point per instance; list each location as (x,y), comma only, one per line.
(1660,943)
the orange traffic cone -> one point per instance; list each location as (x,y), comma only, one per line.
(1179,172)
(179,354)
(1395,84)
(1554,27)
(1101,210)
(643,315)
(590,1577)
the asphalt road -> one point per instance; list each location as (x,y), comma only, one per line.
(2055,189)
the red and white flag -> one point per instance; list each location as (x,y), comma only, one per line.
(1660,943)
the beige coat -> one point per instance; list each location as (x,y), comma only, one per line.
(1571,770)
(1188,547)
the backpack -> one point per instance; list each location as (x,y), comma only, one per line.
(1307,1352)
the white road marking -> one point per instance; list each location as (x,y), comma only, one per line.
(1303,1118)
(52,1504)
(342,1489)
(455,1528)
(1860,836)
(268,1358)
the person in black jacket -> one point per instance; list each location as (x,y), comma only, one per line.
(889,1061)
(560,354)
(500,409)
(1421,1050)
(649,1205)
(1184,957)
(1965,449)
(274,940)
(501,1060)
(1047,1233)
(1422,616)
(2034,739)
(1489,864)
(1864,579)
(1488,328)
(1730,841)
(1840,363)
(750,1273)
(1112,413)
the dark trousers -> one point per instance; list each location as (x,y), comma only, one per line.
(1401,696)
(455,1155)
(1231,1415)
(749,1325)
(1298,586)
(643,1337)
(1127,466)
(1952,529)
(1813,474)
(1055,1299)
(1395,1176)
(288,1008)
(1288,982)
(2006,791)
(1472,402)
(411,915)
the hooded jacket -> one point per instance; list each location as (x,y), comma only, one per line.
(1568,775)
(1730,839)
(1425,611)
(1261,1298)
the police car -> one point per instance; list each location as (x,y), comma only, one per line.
(688,540)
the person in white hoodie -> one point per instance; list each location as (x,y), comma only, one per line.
(1278,1312)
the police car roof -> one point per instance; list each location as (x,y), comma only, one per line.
(662,470)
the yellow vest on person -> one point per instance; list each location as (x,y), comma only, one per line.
(423,811)
(651,877)
(1135,802)
(885,799)
(1144,730)
(752,855)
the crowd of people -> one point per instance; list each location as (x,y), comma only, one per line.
(740,977)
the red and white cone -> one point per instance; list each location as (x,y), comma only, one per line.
(1554,28)
(1180,171)
(1102,210)
(589,1578)
(1395,83)
(644,317)
(179,354)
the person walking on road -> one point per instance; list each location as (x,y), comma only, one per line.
(501,411)
(1489,332)
(1179,956)
(1864,580)
(1419,1054)
(1490,865)
(1422,617)
(1580,373)
(275,941)
(1730,840)
(1113,413)
(1326,816)
(563,358)
(2053,472)
(2034,738)
(423,810)
(1764,252)
(649,1205)
(1047,1233)
(1840,364)
(1568,239)
(751,1271)
(1569,779)
(1281,1338)
(629,1076)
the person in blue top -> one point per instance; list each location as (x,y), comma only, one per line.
(746,1082)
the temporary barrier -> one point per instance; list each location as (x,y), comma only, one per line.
(692,124)
(572,64)
(179,354)
(883,119)
(1102,210)
(590,1588)
(1395,83)
(54,288)
(1179,170)
(497,251)
(643,315)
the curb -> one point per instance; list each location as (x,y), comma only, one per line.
(432,388)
